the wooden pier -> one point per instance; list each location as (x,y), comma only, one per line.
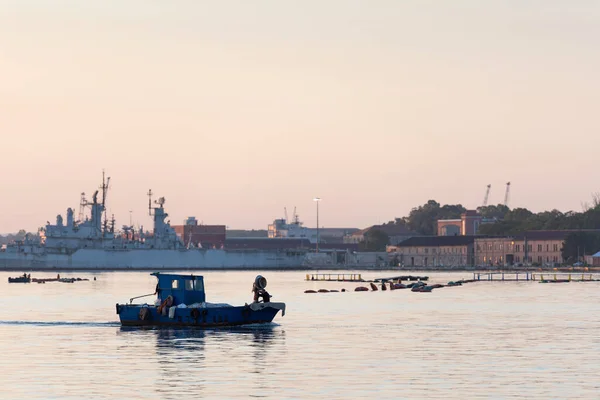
(335,277)
(515,276)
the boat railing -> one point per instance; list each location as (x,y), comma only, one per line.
(139,297)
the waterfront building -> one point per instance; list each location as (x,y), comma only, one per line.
(434,251)
(199,235)
(468,224)
(593,260)
(539,248)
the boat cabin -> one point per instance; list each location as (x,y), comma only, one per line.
(186,289)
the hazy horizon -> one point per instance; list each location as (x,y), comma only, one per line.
(234,110)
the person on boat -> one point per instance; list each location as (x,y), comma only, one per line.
(258,293)
(157,292)
(266,296)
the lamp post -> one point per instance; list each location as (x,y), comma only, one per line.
(317,200)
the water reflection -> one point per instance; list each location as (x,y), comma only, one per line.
(182,356)
(190,338)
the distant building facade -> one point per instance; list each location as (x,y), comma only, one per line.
(531,248)
(285,244)
(543,248)
(467,225)
(593,260)
(204,236)
(434,251)
(491,251)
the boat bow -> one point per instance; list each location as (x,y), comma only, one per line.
(260,306)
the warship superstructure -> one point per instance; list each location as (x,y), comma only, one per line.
(93,243)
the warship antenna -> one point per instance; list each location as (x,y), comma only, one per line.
(150,202)
(104,187)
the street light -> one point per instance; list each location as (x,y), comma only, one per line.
(317,200)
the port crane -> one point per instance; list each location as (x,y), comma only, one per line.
(507,194)
(487,195)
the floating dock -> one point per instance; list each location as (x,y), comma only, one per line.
(335,277)
(358,278)
(400,278)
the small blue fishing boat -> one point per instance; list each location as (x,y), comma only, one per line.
(20,279)
(181,301)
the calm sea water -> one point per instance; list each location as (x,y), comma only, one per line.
(481,340)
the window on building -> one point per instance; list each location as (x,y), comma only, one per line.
(518,248)
(547,247)
(555,247)
(539,247)
(529,248)
(540,259)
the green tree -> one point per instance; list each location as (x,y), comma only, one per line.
(375,240)
(423,219)
(493,212)
(579,244)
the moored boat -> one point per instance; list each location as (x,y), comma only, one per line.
(181,301)
(20,279)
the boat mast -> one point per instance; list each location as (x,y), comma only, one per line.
(82,203)
(104,187)
(150,201)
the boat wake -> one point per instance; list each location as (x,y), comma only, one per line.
(60,323)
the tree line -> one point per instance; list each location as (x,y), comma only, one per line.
(504,221)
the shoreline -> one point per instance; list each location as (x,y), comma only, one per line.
(306,269)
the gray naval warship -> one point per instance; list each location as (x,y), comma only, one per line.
(93,243)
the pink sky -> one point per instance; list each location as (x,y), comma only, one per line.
(233,110)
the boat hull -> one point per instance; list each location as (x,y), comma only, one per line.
(19,280)
(154,259)
(211,317)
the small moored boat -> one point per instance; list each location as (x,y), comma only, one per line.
(182,302)
(20,279)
